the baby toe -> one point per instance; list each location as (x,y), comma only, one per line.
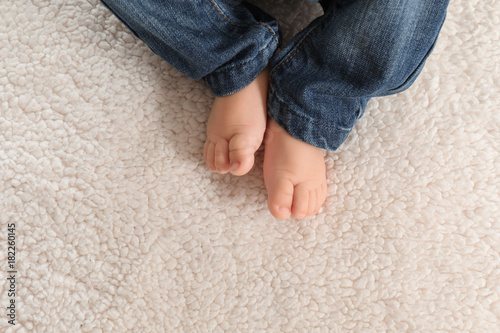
(312,203)
(221,158)
(301,198)
(320,196)
(280,197)
(209,155)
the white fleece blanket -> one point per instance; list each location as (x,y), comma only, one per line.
(120,227)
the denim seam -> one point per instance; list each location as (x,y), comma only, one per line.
(247,25)
(317,124)
(229,66)
(310,120)
(325,127)
(306,38)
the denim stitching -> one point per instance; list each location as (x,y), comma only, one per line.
(303,42)
(313,121)
(230,66)
(244,26)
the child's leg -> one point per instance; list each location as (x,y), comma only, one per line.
(226,42)
(321,82)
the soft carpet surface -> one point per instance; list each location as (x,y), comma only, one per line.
(120,227)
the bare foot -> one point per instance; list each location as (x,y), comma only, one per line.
(294,174)
(236,127)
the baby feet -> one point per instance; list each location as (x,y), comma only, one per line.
(294,174)
(236,127)
(294,171)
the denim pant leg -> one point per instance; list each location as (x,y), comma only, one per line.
(226,42)
(322,81)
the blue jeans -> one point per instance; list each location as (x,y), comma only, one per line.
(321,81)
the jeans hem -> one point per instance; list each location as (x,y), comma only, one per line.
(232,77)
(305,128)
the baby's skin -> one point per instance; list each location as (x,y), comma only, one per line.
(294,171)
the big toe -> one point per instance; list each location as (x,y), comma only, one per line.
(242,150)
(280,198)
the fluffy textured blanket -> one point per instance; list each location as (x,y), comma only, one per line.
(119,226)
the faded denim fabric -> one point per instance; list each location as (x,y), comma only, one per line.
(321,81)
